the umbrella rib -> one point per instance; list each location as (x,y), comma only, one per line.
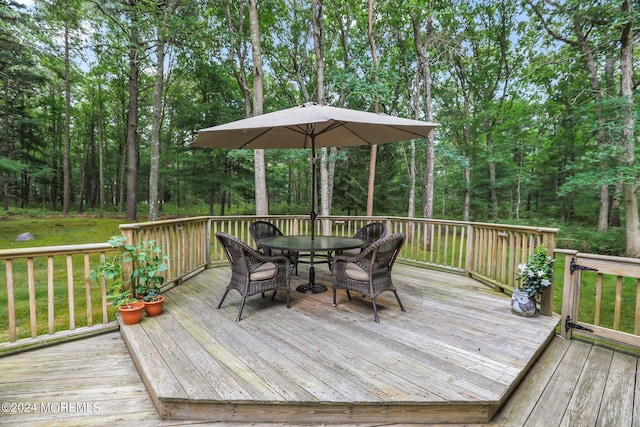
(267,130)
(416,134)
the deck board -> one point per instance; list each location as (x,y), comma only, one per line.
(65,381)
(69,372)
(454,355)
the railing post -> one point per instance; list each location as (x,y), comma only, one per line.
(468,263)
(570,293)
(207,244)
(546,300)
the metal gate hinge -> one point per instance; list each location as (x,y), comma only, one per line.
(574,266)
(568,324)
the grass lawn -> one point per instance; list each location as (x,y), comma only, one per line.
(55,231)
(52,231)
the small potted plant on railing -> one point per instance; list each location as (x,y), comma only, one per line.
(143,277)
(534,276)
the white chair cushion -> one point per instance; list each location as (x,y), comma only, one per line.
(266,271)
(354,272)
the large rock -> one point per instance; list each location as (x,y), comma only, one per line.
(24,237)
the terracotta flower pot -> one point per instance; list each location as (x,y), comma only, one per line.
(154,308)
(131,313)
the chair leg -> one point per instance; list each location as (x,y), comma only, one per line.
(288,298)
(293,258)
(223,297)
(398,299)
(349,294)
(375,310)
(273,296)
(241,308)
(334,297)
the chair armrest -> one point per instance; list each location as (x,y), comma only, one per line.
(366,253)
(259,256)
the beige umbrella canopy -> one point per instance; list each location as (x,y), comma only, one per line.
(309,126)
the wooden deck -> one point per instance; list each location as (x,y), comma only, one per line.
(93,381)
(454,356)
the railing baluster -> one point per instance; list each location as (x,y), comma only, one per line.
(33,312)
(51,293)
(70,290)
(11,306)
(618,304)
(87,284)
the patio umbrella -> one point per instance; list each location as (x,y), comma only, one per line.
(310,126)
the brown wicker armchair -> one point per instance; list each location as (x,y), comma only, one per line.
(369,273)
(262,229)
(253,272)
(369,233)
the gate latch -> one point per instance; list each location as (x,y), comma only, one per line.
(568,324)
(574,266)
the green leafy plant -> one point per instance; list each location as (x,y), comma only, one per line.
(536,274)
(134,271)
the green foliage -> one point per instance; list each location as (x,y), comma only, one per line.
(584,239)
(536,274)
(134,271)
(511,98)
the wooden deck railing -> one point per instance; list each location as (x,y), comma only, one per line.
(48,293)
(601,296)
(488,252)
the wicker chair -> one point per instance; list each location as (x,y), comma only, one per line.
(252,272)
(369,233)
(369,273)
(262,229)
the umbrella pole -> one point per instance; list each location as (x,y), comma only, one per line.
(313,213)
(312,287)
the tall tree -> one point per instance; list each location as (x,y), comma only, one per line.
(628,27)
(262,201)
(376,106)
(317,20)
(580,32)
(156,124)
(423,40)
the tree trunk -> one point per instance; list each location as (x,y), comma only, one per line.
(493,191)
(66,168)
(156,125)
(132,122)
(628,134)
(318,46)
(376,107)
(425,72)
(262,202)
(582,43)
(411,211)
(100,150)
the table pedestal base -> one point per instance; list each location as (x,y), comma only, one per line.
(311,288)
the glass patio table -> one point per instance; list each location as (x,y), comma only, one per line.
(311,244)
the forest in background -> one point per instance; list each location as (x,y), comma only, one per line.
(537,102)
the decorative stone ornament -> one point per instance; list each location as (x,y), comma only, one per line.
(523,304)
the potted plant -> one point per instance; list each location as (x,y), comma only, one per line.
(130,308)
(534,276)
(119,291)
(135,275)
(148,265)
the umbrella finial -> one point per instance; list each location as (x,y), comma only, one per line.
(309,104)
